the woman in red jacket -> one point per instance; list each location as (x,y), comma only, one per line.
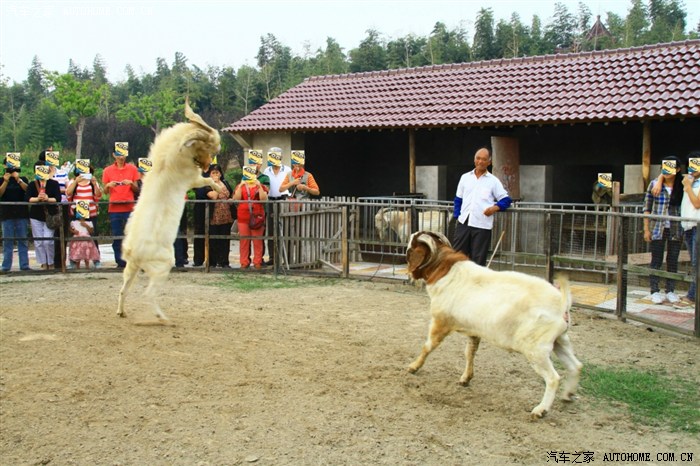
(247,211)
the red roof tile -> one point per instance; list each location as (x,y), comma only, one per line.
(659,81)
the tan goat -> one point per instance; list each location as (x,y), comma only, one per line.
(400,221)
(178,154)
(511,310)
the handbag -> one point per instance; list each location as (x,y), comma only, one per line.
(53,221)
(257,221)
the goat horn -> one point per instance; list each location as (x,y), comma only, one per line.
(428,240)
(194,118)
(194,136)
(443,238)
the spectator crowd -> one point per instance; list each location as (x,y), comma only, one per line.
(58,209)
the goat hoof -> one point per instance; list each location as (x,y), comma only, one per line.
(464,383)
(535,415)
(412,370)
(569,397)
(121,314)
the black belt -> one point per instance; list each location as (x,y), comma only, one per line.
(280,198)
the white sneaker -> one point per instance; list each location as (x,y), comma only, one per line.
(658,298)
(672,297)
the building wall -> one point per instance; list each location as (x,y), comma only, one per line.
(376,163)
(265,141)
(363,163)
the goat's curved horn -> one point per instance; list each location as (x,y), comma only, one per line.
(196,136)
(194,118)
(428,240)
(443,238)
(417,257)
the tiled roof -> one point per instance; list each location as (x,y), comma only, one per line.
(650,82)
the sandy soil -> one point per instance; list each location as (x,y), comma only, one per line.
(311,375)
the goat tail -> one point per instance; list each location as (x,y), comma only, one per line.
(566,301)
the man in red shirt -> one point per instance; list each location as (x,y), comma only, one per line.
(120,182)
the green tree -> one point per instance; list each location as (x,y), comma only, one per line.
(331,60)
(668,20)
(511,37)
(162,74)
(224,82)
(583,25)
(99,70)
(49,126)
(13,112)
(616,27)
(275,63)
(36,83)
(370,55)
(79,100)
(560,33)
(446,46)
(247,97)
(636,25)
(405,52)
(533,44)
(484,45)
(154,111)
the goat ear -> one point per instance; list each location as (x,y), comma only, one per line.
(415,257)
(194,118)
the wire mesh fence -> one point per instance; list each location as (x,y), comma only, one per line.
(601,248)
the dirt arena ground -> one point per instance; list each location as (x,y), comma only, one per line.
(308,375)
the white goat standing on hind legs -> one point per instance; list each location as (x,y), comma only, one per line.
(179,154)
(511,310)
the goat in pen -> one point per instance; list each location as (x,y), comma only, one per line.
(399,221)
(178,155)
(511,310)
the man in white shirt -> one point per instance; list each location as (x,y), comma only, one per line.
(276,172)
(479,195)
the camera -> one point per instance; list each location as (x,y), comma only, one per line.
(11,169)
(87,176)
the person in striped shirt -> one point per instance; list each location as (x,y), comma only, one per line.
(85,187)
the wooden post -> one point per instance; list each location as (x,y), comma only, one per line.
(549,241)
(344,247)
(206,237)
(622,251)
(646,153)
(411,160)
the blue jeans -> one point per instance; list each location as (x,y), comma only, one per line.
(117,221)
(657,259)
(690,239)
(15,229)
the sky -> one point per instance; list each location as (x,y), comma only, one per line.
(227,32)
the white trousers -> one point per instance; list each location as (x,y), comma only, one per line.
(43,248)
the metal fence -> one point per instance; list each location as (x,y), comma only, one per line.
(601,248)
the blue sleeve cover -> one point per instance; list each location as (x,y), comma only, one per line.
(457,207)
(504,203)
